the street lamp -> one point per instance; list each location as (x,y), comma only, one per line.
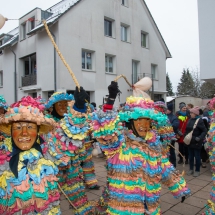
(2,21)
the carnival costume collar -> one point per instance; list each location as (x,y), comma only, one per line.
(74,123)
(14,160)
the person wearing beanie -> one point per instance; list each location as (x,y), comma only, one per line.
(198,137)
(175,124)
(183,117)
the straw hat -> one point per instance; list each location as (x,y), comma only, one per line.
(27,109)
(58,96)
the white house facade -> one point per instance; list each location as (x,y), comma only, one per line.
(99,39)
(206,18)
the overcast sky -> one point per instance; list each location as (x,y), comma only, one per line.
(177,21)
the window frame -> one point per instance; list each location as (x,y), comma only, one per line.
(24,30)
(127,29)
(146,39)
(85,57)
(155,75)
(110,31)
(113,63)
(30,22)
(113,33)
(137,72)
(124,3)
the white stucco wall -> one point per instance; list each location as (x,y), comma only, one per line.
(206,18)
(82,27)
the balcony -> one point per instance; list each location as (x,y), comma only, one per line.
(29,80)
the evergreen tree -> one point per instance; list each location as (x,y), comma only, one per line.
(207,90)
(191,89)
(186,85)
(169,87)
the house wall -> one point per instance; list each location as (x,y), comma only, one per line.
(206,19)
(82,27)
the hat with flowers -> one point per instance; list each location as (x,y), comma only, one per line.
(27,109)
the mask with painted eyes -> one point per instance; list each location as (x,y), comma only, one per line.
(61,107)
(142,126)
(24,134)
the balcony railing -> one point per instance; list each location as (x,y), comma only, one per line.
(29,80)
(138,76)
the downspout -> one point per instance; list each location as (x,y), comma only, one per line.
(15,81)
(55,68)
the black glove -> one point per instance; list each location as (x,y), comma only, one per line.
(197,139)
(113,90)
(182,199)
(81,97)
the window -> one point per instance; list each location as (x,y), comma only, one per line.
(135,68)
(144,39)
(33,95)
(29,64)
(31,23)
(108,28)
(109,64)
(23,31)
(87,59)
(125,3)
(125,32)
(154,71)
(1,78)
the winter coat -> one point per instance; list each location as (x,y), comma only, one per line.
(174,121)
(183,120)
(200,131)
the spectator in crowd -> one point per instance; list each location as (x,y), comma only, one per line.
(189,106)
(204,154)
(183,117)
(175,124)
(198,137)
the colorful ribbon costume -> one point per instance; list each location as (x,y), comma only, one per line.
(136,166)
(28,182)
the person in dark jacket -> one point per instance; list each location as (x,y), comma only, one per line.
(198,137)
(204,154)
(183,117)
(175,124)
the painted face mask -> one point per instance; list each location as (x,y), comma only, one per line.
(24,134)
(61,107)
(142,126)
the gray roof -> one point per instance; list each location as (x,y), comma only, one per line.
(57,11)
(13,38)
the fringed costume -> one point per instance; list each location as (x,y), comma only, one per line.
(211,150)
(66,144)
(136,166)
(28,182)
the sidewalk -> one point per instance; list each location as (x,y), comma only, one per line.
(193,205)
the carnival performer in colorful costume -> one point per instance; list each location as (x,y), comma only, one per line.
(28,182)
(210,148)
(57,104)
(3,110)
(137,161)
(66,144)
